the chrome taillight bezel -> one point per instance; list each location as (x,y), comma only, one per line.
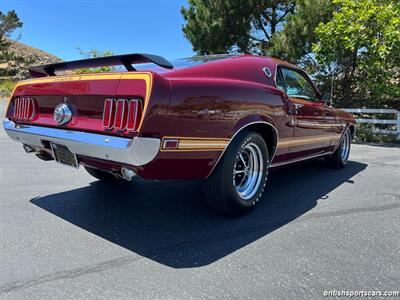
(121,114)
(136,120)
(111,114)
(24,109)
(128,110)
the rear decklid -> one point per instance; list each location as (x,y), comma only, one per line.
(85,96)
(98,102)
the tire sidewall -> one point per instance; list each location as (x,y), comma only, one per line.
(346,135)
(336,159)
(232,156)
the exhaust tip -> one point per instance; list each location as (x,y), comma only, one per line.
(44,156)
(28,149)
(128,174)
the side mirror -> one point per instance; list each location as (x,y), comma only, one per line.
(326,98)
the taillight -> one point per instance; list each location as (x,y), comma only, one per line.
(24,109)
(122,114)
(108,113)
(134,115)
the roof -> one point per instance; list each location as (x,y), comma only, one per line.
(244,67)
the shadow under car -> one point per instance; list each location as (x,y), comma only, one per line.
(168,221)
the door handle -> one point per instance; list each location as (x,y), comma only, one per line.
(297,105)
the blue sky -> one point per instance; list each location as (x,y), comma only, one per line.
(122,26)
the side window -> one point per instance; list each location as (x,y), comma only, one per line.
(297,85)
(280,83)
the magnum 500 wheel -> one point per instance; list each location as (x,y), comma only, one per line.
(340,157)
(238,181)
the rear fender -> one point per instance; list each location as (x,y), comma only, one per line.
(262,124)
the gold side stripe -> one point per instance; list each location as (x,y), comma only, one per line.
(201,146)
(317,125)
(188,145)
(197,144)
(205,144)
(191,150)
(192,138)
(299,141)
(215,144)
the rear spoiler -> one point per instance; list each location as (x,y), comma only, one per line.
(126,60)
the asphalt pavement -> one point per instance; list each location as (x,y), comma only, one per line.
(65,235)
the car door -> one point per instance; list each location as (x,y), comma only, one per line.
(312,121)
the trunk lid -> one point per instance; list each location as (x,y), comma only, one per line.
(85,96)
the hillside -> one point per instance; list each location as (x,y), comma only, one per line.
(31,56)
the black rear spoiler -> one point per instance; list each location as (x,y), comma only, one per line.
(126,60)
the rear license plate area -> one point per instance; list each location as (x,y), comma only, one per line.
(63,155)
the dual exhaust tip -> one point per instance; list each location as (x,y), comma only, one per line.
(42,155)
(28,149)
(127,173)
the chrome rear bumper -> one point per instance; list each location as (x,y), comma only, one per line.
(137,151)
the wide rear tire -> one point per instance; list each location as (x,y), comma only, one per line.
(238,181)
(341,156)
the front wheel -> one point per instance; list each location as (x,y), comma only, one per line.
(341,156)
(238,181)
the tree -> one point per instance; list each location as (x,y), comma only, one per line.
(267,19)
(355,43)
(361,44)
(294,41)
(8,24)
(221,26)
(93,53)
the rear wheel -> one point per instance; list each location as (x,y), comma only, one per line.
(340,157)
(101,175)
(238,181)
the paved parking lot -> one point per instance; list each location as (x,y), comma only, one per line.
(65,235)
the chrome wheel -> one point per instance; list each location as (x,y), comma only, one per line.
(345,150)
(248,171)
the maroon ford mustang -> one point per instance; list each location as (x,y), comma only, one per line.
(226,119)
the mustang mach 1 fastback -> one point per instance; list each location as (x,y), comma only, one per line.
(227,119)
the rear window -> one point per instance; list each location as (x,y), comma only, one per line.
(181,63)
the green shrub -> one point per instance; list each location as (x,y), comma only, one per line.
(365,133)
(6,87)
